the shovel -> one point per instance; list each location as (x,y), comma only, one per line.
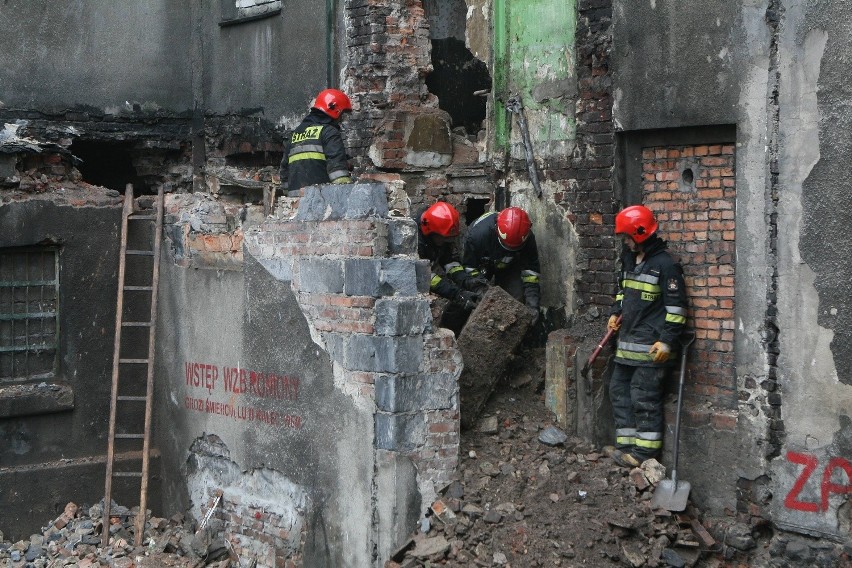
(671,494)
(588,365)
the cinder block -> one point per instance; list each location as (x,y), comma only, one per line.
(399,393)
(402,317)
(384,354)
(321,275)
(362,277)
(402,433)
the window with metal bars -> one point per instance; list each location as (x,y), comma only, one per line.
(29,314)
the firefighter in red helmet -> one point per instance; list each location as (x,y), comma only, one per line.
(314,152)
(438,229)
(502,246)
(651,299)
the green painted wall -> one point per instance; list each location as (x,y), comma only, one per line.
(534,57)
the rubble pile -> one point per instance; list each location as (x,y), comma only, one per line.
(528,495)
(74,539)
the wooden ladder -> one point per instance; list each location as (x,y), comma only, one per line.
(121,403)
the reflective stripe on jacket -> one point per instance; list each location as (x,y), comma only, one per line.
(484,253)
(314,153)
(652,300)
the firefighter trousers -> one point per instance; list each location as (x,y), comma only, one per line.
(636,394)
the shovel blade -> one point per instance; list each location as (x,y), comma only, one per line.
(671,496)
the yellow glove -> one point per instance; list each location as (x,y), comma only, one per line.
(613,323)
(661,352)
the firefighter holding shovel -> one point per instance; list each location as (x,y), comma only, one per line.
(652,305)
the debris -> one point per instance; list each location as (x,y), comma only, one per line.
(552,436)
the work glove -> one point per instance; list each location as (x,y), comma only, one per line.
(661,352)
(478,284)
(613,323)
(467,300)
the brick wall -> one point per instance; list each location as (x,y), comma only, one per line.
(691,190)
(588,195)
(363,289)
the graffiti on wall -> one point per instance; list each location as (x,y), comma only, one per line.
(829,481)
(204,380)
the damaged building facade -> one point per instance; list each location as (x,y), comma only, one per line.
(298,368)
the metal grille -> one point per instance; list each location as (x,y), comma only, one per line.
(29,313)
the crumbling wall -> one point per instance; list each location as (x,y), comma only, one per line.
(313,362)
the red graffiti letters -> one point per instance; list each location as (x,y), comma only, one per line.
(827,486)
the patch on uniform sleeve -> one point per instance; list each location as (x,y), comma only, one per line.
(672,285)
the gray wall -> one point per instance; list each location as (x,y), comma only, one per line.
(33,442)
(250,319)
(160,55)
(784,87)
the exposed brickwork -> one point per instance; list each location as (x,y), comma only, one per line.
(366,303)
(692,191)
(587,196)
(388,50)
(256,532)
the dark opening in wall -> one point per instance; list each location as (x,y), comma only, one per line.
(456,76)
(254,159)
(474,208)
(108,164)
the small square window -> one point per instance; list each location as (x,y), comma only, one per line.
(29,314)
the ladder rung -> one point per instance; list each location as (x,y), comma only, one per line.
(136,323)
(131,398)
(140,252)
(140,361)
(127,474)
(130,436)
(143,288)
(142,217)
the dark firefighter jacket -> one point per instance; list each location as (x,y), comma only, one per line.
(483,253)
(314,153)
(652,300)
(448,275)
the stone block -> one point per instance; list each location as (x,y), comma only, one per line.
(560,385)
(383,354)
(435,391)
(424,276)
(333,202)
(402,236)
(362,277)
(280,268)
(320,275)
(400,432)
(487,342)
(402,317)
(399,276)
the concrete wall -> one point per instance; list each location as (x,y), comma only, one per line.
(160,56)
(773,70)
(814,468)
(335,464)
(57,432)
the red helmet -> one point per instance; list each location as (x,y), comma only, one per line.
(333,103)
(637,221)
(513,227)
(441,218)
